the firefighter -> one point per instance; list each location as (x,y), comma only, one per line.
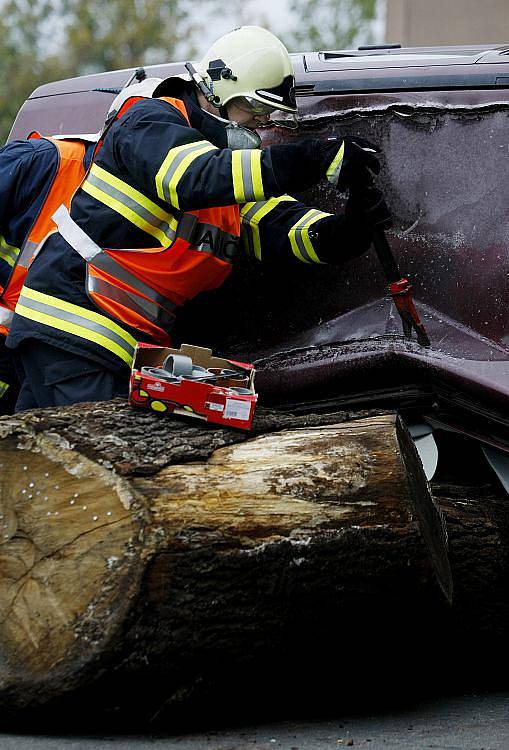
(158,218)
(35,176)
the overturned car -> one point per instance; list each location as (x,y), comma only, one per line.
(327,338)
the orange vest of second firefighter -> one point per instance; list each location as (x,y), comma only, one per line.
(69,174)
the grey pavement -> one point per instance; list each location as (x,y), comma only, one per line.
(471,722)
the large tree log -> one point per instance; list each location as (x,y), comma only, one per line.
(144,559)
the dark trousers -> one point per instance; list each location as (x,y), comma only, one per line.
(54,377)
(8,376)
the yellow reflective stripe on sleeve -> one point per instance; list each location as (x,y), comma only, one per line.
(131,204)
(238,183)
(300,241)
(175,164)
(9,253)
(86,324)
(247,175)
(256,172)
(251,214)
(335,166)
(3,388)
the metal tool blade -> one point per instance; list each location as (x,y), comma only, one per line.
(499,462)
(422,435)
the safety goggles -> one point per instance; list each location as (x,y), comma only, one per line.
(253,106)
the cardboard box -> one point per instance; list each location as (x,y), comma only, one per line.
(212,402)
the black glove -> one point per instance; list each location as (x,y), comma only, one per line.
(338,239)
(298,166)
(350,162)
(367,205)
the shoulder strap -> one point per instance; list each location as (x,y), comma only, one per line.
(72,150)
(69,175)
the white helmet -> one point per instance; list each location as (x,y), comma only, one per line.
(250,62)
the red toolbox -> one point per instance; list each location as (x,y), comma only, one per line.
(192,382)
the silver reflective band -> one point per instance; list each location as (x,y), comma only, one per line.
(108,264)
(29,250)
(248,230)
(157,308)
(60,315)
(176,163)
(208,238)
(300,239)
(132,205)
(203,237)
(140,305)
(251,215)
(74,235)
(247,174)
(6,317)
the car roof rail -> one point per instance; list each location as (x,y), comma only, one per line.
(379,46)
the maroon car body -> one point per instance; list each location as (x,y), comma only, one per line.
(328,337)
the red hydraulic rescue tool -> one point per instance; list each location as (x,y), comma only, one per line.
(400,289)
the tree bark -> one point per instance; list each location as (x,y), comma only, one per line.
(145,561)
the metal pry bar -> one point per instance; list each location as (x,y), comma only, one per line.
(400,290)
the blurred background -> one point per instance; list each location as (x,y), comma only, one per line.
(46,40)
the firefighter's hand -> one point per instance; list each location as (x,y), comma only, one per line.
(339,238)
(346,162)
(367,205)
(350,162)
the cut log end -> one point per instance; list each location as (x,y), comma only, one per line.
(427,512)
(65,559)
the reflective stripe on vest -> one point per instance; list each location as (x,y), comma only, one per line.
(9,253)
(3,388)
(135,302)
(69,174)
(86,324)
(141,298)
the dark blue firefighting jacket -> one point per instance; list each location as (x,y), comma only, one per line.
(111,207)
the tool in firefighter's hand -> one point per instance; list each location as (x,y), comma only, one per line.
(399,288)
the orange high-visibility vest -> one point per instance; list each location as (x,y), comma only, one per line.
(143,287)
(69,175)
